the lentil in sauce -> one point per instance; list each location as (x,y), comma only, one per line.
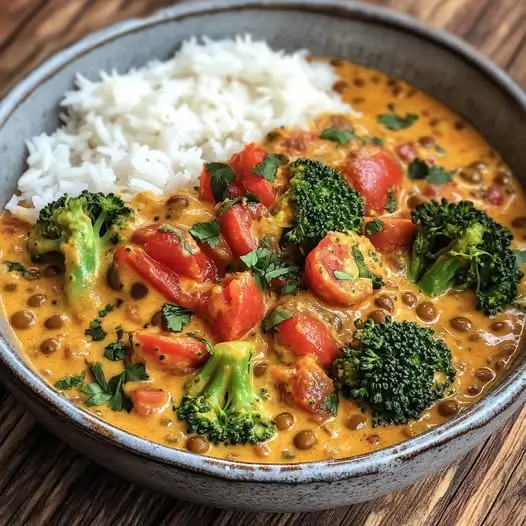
(54,338)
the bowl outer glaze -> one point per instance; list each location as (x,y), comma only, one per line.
(437,63)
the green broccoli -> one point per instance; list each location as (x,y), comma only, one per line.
(323,202)
(79,228)
(460,246)
(220,401)
(395,369)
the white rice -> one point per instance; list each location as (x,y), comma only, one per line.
(151,129)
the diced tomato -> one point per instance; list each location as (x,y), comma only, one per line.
(160,277)
(448,191)
(243,163)
(494,195)
(397,235)
(221,254)
(406,152)
(236,306)
(237,227)
(304,334)
(373,173)
(205,187)
(308,385)
(178,355)
(147,400)
(333,274)
(177,249)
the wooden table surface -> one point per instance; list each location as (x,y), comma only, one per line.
(42,481)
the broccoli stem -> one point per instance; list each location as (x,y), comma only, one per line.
(442,275)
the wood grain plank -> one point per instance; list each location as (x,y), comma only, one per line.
(42,481)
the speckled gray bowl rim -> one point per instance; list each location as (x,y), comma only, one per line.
(478,415)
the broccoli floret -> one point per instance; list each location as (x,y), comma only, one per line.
(460,246)
(395,369)
(220,401)
(323,202)
(79,228)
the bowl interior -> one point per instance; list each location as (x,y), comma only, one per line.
(363,35)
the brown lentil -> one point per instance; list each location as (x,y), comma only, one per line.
(54,322)
(426,311)
(113,278)
(305,439)
(385,302)
(50,345)
(355,422)
(262,450)
(498,326)
(10,287)
(340,86)
(473,390)
(414,200)
(448,407)
(260,369)
(484,374)
(22,319)
(139,291)
(378,316)
(37,300)
(427,141)
(409,299)
(373,439)
(197,444)
(461,324)
(284,421)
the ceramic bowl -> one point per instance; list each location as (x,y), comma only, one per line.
(432,61)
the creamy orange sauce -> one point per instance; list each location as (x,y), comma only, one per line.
(438,134)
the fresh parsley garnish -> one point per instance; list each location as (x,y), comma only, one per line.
(207,232)
(15,266)
(69,382)
(106,310)
(227,204)
(268,167)
(221,176)
(419,169)
(338,274)
(340,136)
(440,150)
(363,271)
(331,404)
(180,236)
(111,392)
(96,331)
(266,265)
(175,317)
(391,204)
(377,141)
(115,351)
(277,316)
(395,122)
(374,226)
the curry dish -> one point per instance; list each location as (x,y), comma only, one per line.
(232,319)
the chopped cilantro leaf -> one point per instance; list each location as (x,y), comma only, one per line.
(331,404)
(391,204)
(277,316)
(207,343)
(206,232)
(374,226)
(15,266)
(395,122)
(343,275)
(221,176)
(520,256)
(96,331)
(176,318)
(419,169)
(341,136)
(69,382)
(115,351)
(266,265)
(268,167)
